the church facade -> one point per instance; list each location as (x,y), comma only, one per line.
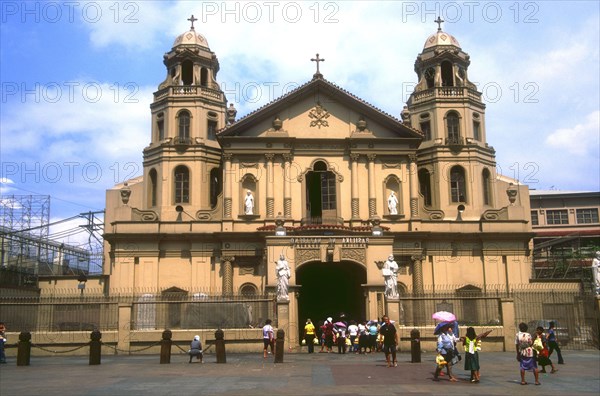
(323,180)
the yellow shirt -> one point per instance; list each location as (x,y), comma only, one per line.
(309,329)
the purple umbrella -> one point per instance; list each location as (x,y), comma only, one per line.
(339,324)
(444,316)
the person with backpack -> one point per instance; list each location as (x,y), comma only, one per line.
(525,355)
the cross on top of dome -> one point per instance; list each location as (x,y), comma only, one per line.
(439,21)
(192,20)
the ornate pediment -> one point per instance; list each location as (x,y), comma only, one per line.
(319,110)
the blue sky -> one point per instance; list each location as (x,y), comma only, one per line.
(77,79)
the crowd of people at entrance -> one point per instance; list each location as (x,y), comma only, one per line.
(373,336)
(344,336)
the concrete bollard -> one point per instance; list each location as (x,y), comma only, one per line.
(415,346)
(24,349)
(220,346)
(279,346)
(165,347)
(95,347)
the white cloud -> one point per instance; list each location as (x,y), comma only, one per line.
(5,187)
(99,124)
(580,140)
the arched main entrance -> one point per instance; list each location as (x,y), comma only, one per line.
(329,289)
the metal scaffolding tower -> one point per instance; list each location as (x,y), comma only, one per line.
(27,249)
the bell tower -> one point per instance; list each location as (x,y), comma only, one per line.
(182,162)
(456,167)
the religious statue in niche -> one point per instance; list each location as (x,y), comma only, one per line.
(393,203)
(249,203)
(390,276)
(282,270)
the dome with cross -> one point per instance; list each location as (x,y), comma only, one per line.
(191,37)
(440,37)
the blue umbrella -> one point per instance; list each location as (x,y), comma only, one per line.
(442,325)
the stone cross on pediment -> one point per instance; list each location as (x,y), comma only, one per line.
(318,73)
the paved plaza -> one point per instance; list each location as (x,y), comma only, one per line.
(300,374)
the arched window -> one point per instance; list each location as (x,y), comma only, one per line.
(458,187)
(453,126)
(187,72)
(393,206)
(204,77)
(249,183)
(425,186)
(430,77)
(160,126)
(447,74)
(153,187)
(248,290)
(184,125)
(182,184)
(321,194)
(487,188)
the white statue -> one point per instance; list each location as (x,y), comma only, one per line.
(282,270)
(390,275)
(249,203)
(393,203)
(596,272)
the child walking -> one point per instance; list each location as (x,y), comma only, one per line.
(472,346)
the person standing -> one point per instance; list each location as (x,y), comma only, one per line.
(268,338)
(553,343)
(472,347)
(353,333)
(373,330)
(363,337)
(309,335)
(2,341)
(446,345)
(341,339)
(390,341)
(525,355)
(329,334)
(541,347)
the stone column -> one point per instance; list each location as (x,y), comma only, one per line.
(227,263)
(413,179)
(508,323)
(270,197)
(418,273)
(354,187)
(372,199)
(418,290)
(227,184)
(124,330)
(287,186)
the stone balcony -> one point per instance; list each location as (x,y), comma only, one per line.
(444,93)
(188,90)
